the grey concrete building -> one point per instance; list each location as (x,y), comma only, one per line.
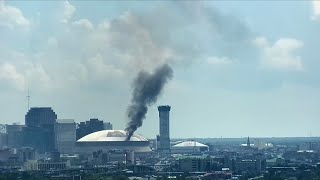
(14,135)
(65,135)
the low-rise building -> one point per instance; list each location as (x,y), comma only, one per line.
(18,155)
(251,166)
(46,165)
(278,161)
(195,163)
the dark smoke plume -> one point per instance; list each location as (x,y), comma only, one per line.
(146,89)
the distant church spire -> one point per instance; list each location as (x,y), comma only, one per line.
(248,142)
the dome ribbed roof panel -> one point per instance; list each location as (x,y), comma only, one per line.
(110,135)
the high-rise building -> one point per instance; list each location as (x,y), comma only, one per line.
(39,130)
(65,135)
(3,128)
(93,125)
(37,116)
(3,136)
(3,140)
(14,135)
(107,126)
(40,138)
(164,127)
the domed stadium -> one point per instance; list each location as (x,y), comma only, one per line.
(189,147)
(112,140)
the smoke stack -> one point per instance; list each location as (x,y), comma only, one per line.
(146,89)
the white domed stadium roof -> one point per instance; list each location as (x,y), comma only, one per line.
(189,144)
(110,135)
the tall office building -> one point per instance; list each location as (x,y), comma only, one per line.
(3,136)
(93,125)
(164,127)
(14,135)
(40,138)
(37,116)
(3,128)
(65,135)
(39,130)
(3,140)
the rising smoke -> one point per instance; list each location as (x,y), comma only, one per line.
(146,89)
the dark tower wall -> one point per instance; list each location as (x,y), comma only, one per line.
(164,125)
(37,116)
(88,127)
(39,130)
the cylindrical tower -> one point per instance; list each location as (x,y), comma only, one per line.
(164,127)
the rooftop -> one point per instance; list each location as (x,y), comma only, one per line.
(110,135)
(65,121)
(204,156)
(190,144)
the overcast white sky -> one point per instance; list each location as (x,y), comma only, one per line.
(240,68)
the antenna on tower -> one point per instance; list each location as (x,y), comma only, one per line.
(28,98)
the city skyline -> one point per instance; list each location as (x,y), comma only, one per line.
(240,68)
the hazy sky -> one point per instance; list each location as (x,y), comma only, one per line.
(240,68)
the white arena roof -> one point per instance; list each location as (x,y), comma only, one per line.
(111,140)
(110,135)
(190,144)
